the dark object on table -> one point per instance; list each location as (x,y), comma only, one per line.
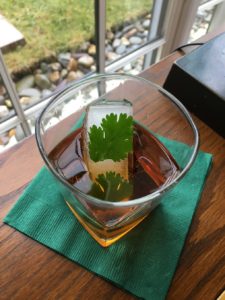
(198,81)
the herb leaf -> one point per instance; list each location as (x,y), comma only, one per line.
(111,187)
(113,139)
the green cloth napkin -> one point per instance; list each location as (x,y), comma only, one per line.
(143,261)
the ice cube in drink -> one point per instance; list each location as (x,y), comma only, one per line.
(108,113)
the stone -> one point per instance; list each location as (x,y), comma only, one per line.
(3,111)
(4,139)
(111,56)
(108,48)
(72,65)
(127,67)
(84,46)
(54,76)
(116,43)
(146,24)
(125,41)
(64,73)
(64,59)
(38,71)
(56,66)
(93,68)
(74,75)
(127,28)
(8,103)
(118,34)
(32,93)
(45,93)
(42,81)
(121,49)
(2,90)
(131,32)
(135,40)
(12,132)
(24,83)
(86,61)
(44,67)
(92,49)
(25,100)
(110,35)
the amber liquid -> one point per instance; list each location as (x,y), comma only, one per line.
(152,167)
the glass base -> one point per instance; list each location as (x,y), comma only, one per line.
(105,237)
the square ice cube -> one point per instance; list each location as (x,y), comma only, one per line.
(95,113)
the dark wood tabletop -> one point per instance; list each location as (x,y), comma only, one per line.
(29,270)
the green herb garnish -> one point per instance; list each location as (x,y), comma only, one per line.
(111,187)
(113,139)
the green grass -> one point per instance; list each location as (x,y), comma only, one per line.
(51,26)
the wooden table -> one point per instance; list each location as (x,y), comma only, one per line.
(29,270)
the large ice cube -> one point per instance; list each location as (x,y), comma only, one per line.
(95,113)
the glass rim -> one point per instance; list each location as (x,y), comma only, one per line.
(105,203)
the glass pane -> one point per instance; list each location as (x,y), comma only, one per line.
(133,67)
(202,22)
(58,45)
(127,24)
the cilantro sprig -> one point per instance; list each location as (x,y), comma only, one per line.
(113,139)
(111,187)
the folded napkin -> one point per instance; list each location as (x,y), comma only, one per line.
(143,261)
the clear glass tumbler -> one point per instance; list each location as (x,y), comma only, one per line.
(165,155)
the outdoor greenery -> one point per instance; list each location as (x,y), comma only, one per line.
(50,26)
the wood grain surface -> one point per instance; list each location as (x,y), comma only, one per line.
(29,270)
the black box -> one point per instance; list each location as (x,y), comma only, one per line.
(198,81)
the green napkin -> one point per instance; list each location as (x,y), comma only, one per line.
(143,261)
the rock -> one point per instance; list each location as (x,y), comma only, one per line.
(32,93)
(55,66)
(64,59)
(4,139)
(42,81)
(118,34)
(84,46)
(146,24)
(54,76)
(8,103)
(121,49)
(135,40)
(93,68)
(64,73)
(131,32)
(92,49)
(111,56)
(127,68)
(72,65)
(108,48)
(86,61)
(44,67)
(125,41)
(45,93)
(25,100)
(3,111)
(37,71)
(127,28)
(2,100)
(2,90)
(109,35)
(12,132)
(116,43)
(74,75)
(24,83)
